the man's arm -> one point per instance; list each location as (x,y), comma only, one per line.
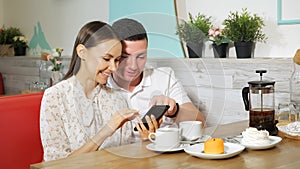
(184,112)
(189,112)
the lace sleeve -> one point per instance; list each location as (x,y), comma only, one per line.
(54,139)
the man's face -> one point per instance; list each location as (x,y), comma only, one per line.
(133,60)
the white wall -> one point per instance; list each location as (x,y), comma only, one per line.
(1,13)
(61,20)
(283,40)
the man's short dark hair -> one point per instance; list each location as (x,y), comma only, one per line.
(129,29)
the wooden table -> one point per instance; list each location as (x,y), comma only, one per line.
(285,155)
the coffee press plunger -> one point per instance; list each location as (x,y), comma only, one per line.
(259,99)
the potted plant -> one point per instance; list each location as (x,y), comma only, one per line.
(244,29)
(20,44)
(194,32)
(220,42)
(6,40)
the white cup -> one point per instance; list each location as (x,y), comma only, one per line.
(190,130)
(165,137)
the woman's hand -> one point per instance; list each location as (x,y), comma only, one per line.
(122,116)
(165,100)
(117,120)
(153,126)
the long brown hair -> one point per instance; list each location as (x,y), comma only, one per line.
(90,35)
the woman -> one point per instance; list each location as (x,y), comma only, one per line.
(80,114)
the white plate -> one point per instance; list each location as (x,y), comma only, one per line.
(290,129)
(152,147)
(274,140)
(231,149)
(202,139)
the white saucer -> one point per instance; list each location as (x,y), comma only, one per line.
(202,139)
(274,140)
(231,149)
(152,147)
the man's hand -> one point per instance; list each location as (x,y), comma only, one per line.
(165,100)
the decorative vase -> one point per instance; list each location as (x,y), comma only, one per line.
(195,50)
(20,51)
(243,49)
(44,73)
(56,76)
(220,51)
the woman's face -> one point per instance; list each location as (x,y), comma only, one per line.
(103,59)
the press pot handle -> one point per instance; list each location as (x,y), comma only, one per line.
(245,94)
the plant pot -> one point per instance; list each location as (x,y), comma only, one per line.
(195,50)
(220,51)
(20,51)
(6,50)
(243,49)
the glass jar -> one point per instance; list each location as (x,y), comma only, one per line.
(44,74)
(283,112)
(295,89)
(295,85)
(295,112)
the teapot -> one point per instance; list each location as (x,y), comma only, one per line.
(259,99)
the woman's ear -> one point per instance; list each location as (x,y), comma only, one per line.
(81,51)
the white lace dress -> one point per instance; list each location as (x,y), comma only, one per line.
(68,118)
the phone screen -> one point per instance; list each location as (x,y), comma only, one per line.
(157,110)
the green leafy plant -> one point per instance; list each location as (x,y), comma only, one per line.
(7,34)
(195,30)
(244,27)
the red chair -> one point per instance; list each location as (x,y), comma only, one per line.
(1,85)
(20,141)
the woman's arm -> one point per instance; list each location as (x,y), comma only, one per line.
(117,121)
(93,143)
(53,134)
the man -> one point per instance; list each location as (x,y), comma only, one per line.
(144,87)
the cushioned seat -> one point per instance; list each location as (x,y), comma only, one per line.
(20,142)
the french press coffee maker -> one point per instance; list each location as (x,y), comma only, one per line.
(259,100)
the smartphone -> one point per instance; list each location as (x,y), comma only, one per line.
(157,110)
